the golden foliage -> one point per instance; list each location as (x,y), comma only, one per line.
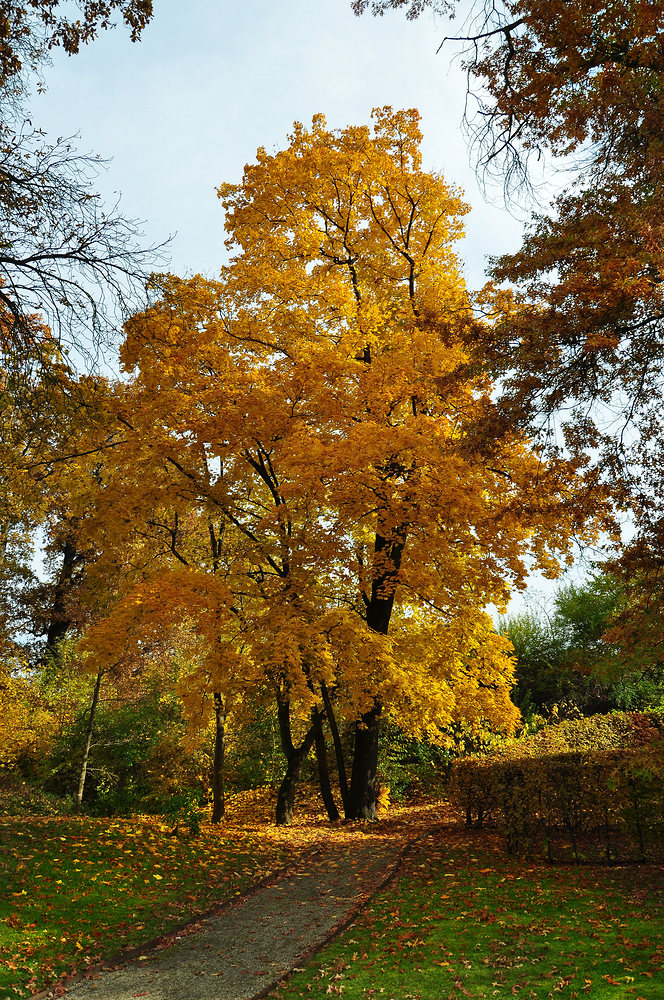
(310,442)
(26,723)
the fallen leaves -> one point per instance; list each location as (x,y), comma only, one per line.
(81,888)
(499,929)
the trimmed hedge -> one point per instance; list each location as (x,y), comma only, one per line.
(585,790)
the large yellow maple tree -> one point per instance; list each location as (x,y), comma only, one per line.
(323,409)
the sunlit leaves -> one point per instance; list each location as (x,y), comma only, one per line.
(311,442)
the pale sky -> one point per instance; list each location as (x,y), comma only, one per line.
(184,109)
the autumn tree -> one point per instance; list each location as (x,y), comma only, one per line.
(582,81)
(26,436)
(54,433)
(185,564)
(64,261)
(33,412)
(152,558)
(52,436)
(590,269)
(554,78)
(322,399)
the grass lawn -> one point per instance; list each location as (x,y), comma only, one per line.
(74,890)
(463,920)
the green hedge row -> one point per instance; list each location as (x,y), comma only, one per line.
(587,790)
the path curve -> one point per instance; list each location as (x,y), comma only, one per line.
(242,952)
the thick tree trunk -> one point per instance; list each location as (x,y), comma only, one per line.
(388,551)
(294,757)
(338,750)
(321,760)
(362,799)
(286,794)
(78,801)
(218,798)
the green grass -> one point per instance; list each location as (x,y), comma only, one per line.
(463,920)
(75,890)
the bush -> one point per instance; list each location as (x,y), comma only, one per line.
(587,789)
(19,797)
(183,810)
(136,758)
(408,765)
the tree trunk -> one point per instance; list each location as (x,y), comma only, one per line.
(78,801)
(388,551)
(218,798)
(286,794)
(323,772)
(60,619)
(294,757)
(362,799)
(338,750)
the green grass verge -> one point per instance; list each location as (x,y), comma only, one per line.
(463,920)
(76,890)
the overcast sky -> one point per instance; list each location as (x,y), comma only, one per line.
(184,109)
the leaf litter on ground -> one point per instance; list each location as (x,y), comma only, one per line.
(77,890)
(464,920)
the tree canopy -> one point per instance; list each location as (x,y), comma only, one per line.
(556,76)
(317,421)
(583,82)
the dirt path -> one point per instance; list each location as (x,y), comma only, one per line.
(247,948)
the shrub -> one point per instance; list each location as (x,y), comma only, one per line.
(21,797)
(409,766)
(587,789)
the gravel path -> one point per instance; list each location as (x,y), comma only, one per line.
(246,949)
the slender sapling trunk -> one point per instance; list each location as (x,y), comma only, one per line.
(321,760)
(218,797)
(338,750)
(78,801)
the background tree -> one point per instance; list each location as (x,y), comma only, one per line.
(556,78)
(581,656)
(584,82)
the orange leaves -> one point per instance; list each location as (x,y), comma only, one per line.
(26,723)
(312,438)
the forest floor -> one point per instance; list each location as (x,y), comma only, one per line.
(438,913)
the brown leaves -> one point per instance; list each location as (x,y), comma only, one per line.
(27,27)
